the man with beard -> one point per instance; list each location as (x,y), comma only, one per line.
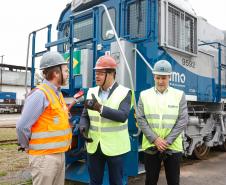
(43,129)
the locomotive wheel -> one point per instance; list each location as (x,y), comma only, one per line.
(201,152)
(223,146)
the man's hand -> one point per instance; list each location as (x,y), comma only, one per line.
(20,148)
(83,133)
(161,144)
(93,104)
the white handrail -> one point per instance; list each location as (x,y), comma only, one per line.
(142,57)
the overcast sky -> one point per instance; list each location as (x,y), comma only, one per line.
(20,17)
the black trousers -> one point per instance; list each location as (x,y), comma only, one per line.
(96,165)
(153,166)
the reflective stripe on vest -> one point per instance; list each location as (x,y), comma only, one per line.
(40,135)
(112,136)
(49,145)
(152,116)
(156,125)
(108,129)
(161,116)
(51,96)
(157,116)
(99,119)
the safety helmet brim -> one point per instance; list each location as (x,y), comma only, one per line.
(161,73)
(99,68)
(62,63)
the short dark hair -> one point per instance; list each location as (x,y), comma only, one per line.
(111,71)
(48,72)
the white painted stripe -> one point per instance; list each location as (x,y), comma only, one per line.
(191,98)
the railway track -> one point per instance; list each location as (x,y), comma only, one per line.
(7,126)
(8,141)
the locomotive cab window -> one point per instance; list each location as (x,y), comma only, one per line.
(136,19)
(178,29)
(83,29)
(107,32)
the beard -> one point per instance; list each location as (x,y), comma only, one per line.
(62,82)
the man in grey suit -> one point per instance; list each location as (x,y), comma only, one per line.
(105,119)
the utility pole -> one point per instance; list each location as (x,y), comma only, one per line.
(1,72)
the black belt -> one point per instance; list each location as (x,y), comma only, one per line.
(162,155)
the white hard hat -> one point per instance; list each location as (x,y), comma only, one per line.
(162,67)
(51,59)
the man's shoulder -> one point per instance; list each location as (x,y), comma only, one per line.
(93,88)
(176,90)
(123,88)
(36,93)
(147,91)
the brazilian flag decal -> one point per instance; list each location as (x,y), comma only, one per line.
(76,61)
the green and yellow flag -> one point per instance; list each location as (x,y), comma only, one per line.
(76,61)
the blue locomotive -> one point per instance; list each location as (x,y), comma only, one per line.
(138,33)
(8,103)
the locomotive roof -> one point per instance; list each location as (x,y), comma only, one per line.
(184,5)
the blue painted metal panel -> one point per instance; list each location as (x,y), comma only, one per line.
(7,95)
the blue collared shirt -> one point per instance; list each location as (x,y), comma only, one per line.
(34,106)
(103,94)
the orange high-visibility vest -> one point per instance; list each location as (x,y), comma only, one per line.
(51,133)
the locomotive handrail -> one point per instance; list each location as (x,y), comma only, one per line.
(116,37)
(209,43)
(121,50)
(222,123)
(142,57)
(149,66)
(27,58)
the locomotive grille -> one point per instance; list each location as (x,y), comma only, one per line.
(83,29)
(181,30)
(136,24)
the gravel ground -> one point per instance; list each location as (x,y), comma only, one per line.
(13,166)
(8,119)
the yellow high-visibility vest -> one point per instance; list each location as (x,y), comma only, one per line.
(113,136)
(161,113)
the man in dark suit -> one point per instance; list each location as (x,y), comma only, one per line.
(105,118)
